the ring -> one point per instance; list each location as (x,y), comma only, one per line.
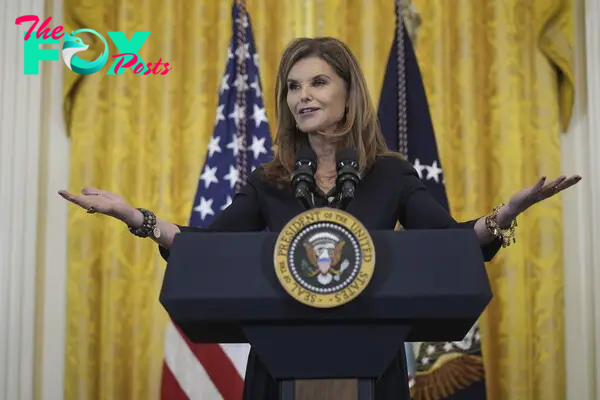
(91,210)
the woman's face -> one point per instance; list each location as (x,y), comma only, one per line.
(316,95)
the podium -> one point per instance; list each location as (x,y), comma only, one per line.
(427,285)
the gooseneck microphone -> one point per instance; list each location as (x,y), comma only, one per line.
(303,176)
(348,177)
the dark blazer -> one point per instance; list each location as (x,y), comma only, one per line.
(390,191)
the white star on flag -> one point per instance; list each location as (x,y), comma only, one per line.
(433,171)
(224,84)
(205,207)
(241,51)
(213,146)
(256,86)
(237,114)
(258,146)
(259,115)
(232,176)
(220,116)
(241,83)
(417,165)
(209,176)
(235,145)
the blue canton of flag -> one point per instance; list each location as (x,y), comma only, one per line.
(422,148)
(216,187)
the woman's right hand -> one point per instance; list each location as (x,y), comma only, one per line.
(101,201)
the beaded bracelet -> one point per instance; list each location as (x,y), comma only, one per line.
(148,224)
(506,235)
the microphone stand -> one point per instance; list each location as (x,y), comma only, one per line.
(306,197)
(303,181)
(347,182)
(346,197)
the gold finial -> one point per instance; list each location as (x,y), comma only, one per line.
(411,17)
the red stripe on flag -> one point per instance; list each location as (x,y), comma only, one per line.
(170,389)
(218,367)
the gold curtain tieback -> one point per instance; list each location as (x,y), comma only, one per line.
(506,235)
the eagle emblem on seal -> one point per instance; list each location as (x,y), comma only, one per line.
(325,262)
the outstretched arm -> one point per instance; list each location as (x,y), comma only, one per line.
(519,202)
(242,215)
(419,210)
(104,202)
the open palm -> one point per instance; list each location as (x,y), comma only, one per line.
(98,201)
(542,190)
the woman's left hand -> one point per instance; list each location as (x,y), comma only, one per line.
(542,190)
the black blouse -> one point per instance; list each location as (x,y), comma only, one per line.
(390,191)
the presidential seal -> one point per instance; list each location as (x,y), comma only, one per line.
(324,257)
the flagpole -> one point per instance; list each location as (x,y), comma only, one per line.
(402,118)
(240,62)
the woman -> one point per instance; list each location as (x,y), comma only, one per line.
(323,102)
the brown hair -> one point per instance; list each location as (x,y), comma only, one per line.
(360,128)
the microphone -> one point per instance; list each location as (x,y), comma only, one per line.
(303,176)
(347,175)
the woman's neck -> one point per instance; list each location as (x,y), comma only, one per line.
(325,150)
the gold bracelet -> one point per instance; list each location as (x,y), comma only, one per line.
(506,235)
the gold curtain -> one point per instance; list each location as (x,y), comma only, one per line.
(500,86)
(494,94)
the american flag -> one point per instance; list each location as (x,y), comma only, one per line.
(411,132)
(240,143)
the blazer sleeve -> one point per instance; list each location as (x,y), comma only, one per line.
(242,215)
(417,209)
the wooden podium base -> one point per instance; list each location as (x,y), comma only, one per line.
(327,389)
